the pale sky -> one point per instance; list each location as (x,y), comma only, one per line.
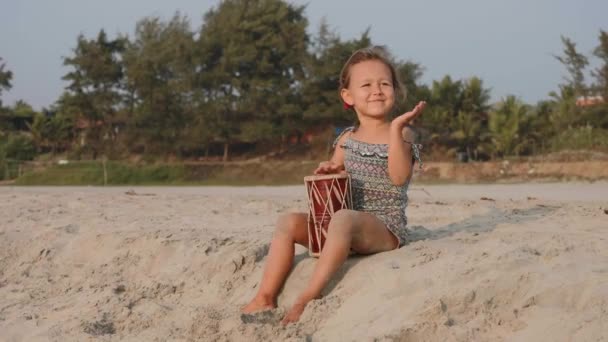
(509,44)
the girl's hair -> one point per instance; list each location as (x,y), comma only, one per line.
(374,53)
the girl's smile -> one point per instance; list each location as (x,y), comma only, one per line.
(371,89)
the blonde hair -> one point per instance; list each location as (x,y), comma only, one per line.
(373,53)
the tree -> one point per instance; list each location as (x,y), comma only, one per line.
(506,125)
(160,76)
(445,102)
(94,90)
(410,73)
(601,73)
(575,64)
(51,131)
(467,133)
(447,94)
(471,122)
(23,109)
(540,130)
(567,119)
(18,146)
(39,131)
(475,97)
(252,64)
(5,79)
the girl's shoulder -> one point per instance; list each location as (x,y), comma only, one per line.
(344,134)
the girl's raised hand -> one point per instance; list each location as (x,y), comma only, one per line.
(405,119)
(328,167)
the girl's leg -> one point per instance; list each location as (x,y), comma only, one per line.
(291,228)
(362,232)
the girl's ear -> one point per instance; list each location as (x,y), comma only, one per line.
(346,97)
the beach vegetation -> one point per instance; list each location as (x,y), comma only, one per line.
(253,81)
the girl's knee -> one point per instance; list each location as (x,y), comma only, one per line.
(343,222)
(288,223)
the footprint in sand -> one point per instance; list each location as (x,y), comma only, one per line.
(263,317)
(70,228)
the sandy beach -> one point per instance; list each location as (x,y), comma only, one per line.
(517,262)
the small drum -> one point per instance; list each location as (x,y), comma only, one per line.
(326,195)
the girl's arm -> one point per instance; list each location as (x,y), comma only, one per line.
(399,157)
(336,163)
(399,151)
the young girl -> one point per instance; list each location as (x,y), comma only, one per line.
(379,159)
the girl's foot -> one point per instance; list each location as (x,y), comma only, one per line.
(294,313)
(258,303)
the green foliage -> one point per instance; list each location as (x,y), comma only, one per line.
(23,109)
(121,173)
(601,72)
(94,90)
(507,127)
(581,138)
(251,131)
(575,64)
(253,55)
(444,104)
(596,116)
(475,98)
(16,118)
(92,173)
(251,76)
(457,116)
(410,72)
(160,78)
(5,79)
(52,133)
(17,146)
(565,113)
(447,94)
(467,133)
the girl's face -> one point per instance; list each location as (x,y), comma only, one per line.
(370,90)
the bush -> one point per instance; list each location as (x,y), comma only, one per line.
(92,173)
(581,138)
(20,147)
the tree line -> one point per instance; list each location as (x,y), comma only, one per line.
(251,75)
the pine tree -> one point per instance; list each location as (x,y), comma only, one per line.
(93,94)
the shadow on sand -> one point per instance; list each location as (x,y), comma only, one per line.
(481,223)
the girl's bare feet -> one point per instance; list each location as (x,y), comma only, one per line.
(293,315)
(258,303)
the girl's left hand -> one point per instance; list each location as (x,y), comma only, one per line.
(405,119)
(328,167)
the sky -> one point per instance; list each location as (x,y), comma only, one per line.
(509,44)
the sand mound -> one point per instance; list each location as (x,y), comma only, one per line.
(157,264)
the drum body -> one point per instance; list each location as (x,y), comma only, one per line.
(326,195)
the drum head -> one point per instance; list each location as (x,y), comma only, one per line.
(324,177)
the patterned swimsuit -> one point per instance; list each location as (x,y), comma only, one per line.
(372,189)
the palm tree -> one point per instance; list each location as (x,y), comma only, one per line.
(467,133)
(475,97)
(471,121)
(506,125)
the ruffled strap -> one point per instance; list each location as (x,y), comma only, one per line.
(416,148)
(367,150)
(344,131)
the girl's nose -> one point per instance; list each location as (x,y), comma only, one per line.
(377,89)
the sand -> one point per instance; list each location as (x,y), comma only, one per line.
(526,262)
